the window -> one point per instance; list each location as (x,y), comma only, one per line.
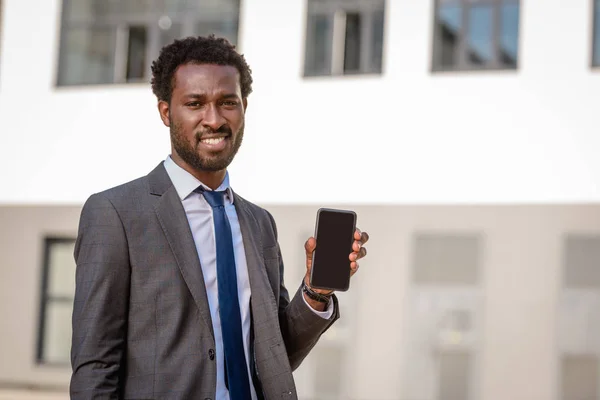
(476,34)
(344,37)
(58,289)
(582,256)
(446,260)
(596,42)
(115,41)
(579,378)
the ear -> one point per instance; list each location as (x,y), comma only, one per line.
(163,110)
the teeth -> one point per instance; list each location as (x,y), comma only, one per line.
(213,140)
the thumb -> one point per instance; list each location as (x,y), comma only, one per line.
(310,246)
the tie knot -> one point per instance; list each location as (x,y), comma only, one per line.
(214,198)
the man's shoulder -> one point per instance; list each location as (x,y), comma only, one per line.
(132,191)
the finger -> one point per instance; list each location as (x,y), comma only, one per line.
(353,267)
(362,253)
(356,246)
(309,247)
(364,238)
(357,234)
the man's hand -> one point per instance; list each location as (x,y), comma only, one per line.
(358,252)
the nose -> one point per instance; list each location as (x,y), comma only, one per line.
(212,117)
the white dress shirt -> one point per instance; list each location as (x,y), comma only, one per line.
(200,217)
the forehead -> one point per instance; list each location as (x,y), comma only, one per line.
(206,79)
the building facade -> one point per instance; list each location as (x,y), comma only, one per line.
(463,133)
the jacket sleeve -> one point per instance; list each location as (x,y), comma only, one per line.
(300,327)
(101,302)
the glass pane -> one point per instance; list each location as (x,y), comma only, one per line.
(227,28)
(580,378)
(596,59)
(328,370)
(352,43)
(318,45)
(446,260)
(480,43)
(454,376)
(87,56)
(509,39)
(448,31)
(57,332)
(136,55)
(582,261)
(61,269)
(377,45)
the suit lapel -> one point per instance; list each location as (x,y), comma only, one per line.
(171,216)
(262,293)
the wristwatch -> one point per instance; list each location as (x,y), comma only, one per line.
(321,298)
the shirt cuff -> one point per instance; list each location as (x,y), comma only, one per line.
(323,314)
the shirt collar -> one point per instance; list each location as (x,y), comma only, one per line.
(185,183)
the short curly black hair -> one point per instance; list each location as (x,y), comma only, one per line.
(196,50)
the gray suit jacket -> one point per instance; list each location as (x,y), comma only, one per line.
(141,321)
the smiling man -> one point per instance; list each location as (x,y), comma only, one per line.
(179,287)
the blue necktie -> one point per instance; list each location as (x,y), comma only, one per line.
(236,372)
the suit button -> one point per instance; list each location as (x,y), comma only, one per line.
(211,355)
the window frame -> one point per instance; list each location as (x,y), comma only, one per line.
(336,41)
(46,298)
(595,26)
(120,47)
(462,64)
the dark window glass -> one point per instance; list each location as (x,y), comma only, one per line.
(352,43)
(596,52)
(377,38)
(136,57)
(58,289)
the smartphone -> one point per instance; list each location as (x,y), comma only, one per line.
(334,232)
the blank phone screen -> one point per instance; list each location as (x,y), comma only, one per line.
(334,235)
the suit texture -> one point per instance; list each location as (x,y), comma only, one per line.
(141,321)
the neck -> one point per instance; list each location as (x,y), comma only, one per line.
(212,179)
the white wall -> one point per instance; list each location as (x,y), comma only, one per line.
(404,137)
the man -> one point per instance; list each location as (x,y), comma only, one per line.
(179,289)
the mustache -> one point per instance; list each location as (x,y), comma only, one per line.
(222,130)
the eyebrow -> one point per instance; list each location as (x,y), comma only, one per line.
(198,96)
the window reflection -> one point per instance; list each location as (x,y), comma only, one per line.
(318,59)
(449,25)
(509,40)
(596,55)
(87,56)
(476,34)
(480,45)
(378,29)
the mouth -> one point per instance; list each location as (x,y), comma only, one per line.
(214,143)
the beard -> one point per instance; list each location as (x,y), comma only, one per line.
(213,162)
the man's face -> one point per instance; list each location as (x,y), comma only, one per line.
(205,116)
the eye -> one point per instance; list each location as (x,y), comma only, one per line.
(230,103)
(193,104)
